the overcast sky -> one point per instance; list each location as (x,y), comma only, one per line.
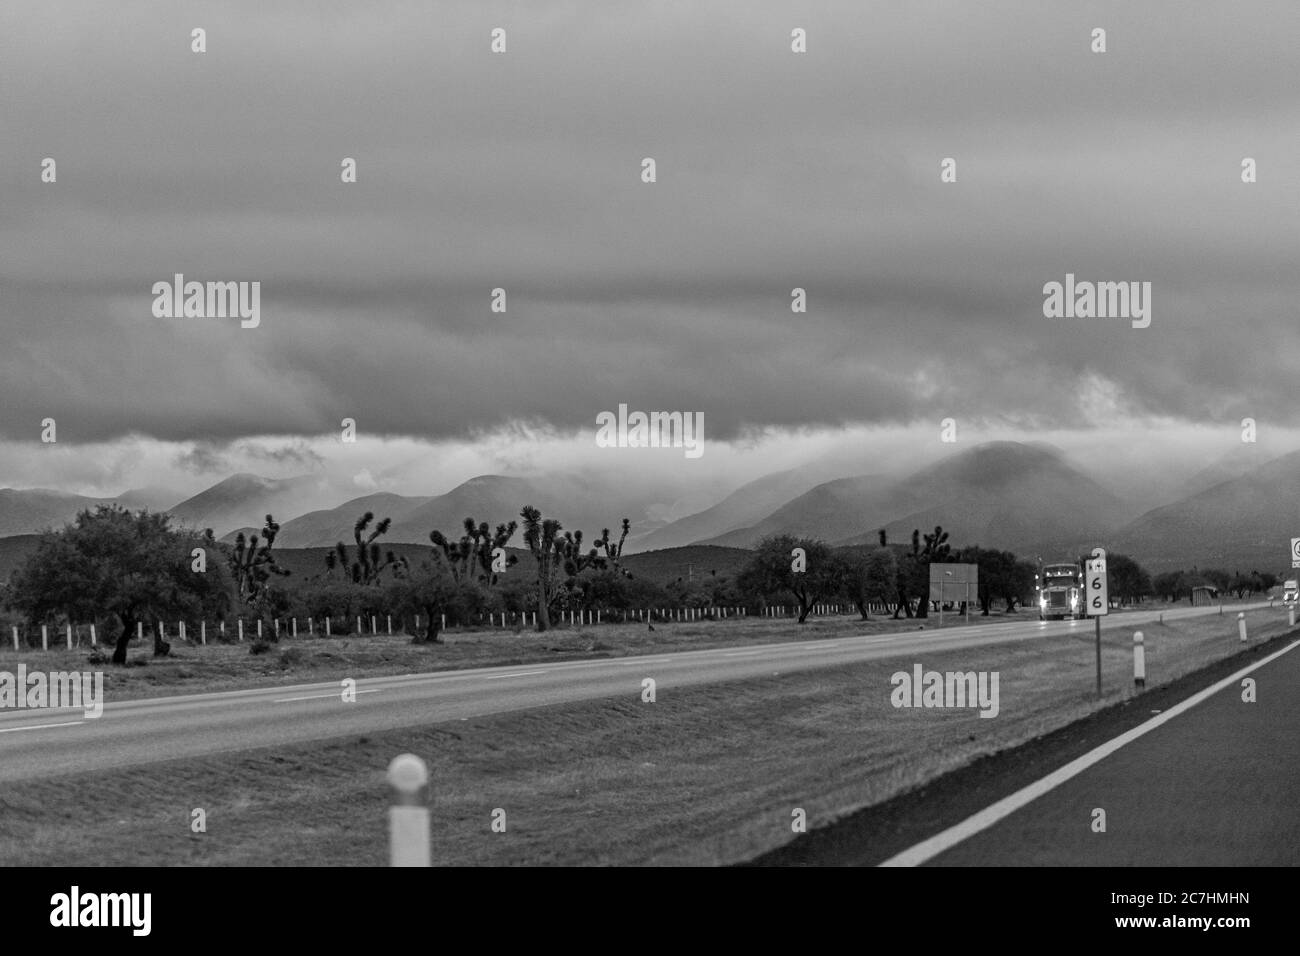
(522,171)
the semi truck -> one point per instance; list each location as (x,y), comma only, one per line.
(1060,592)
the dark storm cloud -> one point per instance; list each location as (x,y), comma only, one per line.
(521,171)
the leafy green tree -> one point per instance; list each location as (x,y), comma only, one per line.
(428,590)
(1126,580)
(769,572)
(132,566)
(870,577)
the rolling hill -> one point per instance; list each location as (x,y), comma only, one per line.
(999,494)
(743,507)
(497,499)
(245,500)
(1244,523)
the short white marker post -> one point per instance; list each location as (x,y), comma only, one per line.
(92,635)
(1139,661)
(277,628)
(15,637)
(69,637)
(259,628)
(1241,624)
(241,630)
(373,629)
(223,629)
(139,631)
(359,631)
(390,624)
(408,817)
(45,638)
(294,631)
(443,618)
(327,626)
(203,633)
(1290,616)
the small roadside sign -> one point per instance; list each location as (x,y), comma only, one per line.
(1097,596)
(1295,552)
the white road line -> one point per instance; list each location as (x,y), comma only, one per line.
(508,676)
(337,693)
(928,849)
(639,660)
(66,723)
(741,653)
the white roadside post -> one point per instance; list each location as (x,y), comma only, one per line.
(390,625)
(1139,661)
(69,637)
(408,817)
(241,630)
(1290,616)
(327,626)
(259,628)
(277,628)
(15,637)
(373,629)
(139,631)
(92,635)
(203,633)
(294,628)
(45,638)
(1241,624)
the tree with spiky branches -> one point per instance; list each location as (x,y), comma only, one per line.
(470,558)
(368,563)
(560,558)
(252,563)
(614,552)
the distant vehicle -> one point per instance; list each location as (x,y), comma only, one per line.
(1060,592)
(1290,593)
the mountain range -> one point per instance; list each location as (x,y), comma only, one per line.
(1030,498)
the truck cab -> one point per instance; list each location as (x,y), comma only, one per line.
(1060,592)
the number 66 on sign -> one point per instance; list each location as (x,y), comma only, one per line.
(1098,598)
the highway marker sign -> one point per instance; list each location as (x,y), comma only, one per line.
(1097,599)
(1295,552)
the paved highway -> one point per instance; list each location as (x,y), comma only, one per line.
(1214,781)
(38,743)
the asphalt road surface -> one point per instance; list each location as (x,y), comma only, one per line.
(38,743)
(1216,784)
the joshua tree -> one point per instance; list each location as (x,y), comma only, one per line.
(252,563)
(368,564)
(614,552)
(471,557)
(554,554)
